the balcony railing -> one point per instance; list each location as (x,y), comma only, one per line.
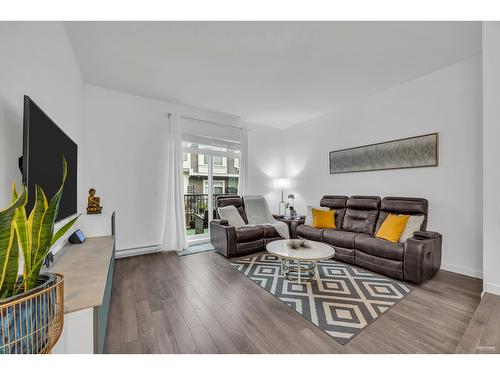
(196,207)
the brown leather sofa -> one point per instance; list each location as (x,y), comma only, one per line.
(357,219)
(231,241)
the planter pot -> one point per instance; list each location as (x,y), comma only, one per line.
(26,319)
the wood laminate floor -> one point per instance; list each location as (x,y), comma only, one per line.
(483,332)
(162,303)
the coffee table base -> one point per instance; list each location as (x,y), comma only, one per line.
(296,271)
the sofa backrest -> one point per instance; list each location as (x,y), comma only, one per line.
(231,200)
(361,214)
(403,206)
(336,203)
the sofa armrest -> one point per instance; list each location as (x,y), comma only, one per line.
(223,237)
(220,222)
(294,224)
(422,256)
(426,235)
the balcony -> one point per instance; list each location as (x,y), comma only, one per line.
(196,207)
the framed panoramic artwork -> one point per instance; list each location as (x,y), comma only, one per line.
(413,152)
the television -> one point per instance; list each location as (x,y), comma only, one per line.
(44,145)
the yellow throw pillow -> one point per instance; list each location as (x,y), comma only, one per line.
(392,228)
(323,219)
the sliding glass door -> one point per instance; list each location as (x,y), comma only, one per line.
(209,171)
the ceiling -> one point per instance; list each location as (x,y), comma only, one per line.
(273,73)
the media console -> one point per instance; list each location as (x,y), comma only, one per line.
(88,275)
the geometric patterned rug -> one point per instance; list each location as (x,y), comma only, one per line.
(342,302)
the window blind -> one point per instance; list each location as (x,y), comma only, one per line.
(204,137)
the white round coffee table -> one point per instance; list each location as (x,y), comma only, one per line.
(300,264)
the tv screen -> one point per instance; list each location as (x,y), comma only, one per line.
(44,144)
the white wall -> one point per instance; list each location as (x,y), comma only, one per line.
(37,60)
(447,101)
(491,156)
(265,162)
(125,139)
(4,161)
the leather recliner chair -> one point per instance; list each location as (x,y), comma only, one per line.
(231,241)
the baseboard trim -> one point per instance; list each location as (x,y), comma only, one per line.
(137,251)
(491,288)
(462,270)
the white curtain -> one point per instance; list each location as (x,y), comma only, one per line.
(174,234)
(243,178)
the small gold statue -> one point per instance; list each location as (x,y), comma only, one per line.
(94,203)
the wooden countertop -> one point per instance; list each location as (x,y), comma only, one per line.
(85,267)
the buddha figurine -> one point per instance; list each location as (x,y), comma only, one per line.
(93,203)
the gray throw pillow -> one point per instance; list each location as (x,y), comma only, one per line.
(412,225)
(231,214)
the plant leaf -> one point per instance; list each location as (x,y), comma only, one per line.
(21,227)
(11,265)
(63,230)
(7,234)
(35,222)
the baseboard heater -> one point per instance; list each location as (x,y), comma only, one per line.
(137,251)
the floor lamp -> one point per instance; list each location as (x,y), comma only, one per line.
(282,184)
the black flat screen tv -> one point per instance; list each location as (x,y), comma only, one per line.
(44,145)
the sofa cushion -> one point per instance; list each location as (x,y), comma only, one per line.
(361,214)
(310,233)
(391,268)
(359,221)
(249,247)
(378,247)
(250,233)
(269,231)
(341,238)
(344,255)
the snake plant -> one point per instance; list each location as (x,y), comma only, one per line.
(9,249)
(31,235)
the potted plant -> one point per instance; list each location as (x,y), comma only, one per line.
(202,207)
(28,301)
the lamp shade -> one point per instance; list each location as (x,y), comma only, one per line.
(282,183)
